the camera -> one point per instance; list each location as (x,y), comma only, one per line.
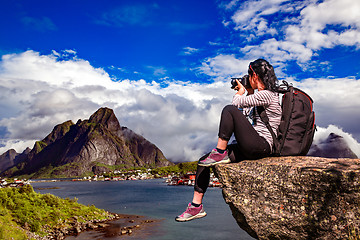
(244,81)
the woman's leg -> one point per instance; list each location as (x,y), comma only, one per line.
(232,121)
(230,117)
(195,208)
(222,144)
(249,142)
(201,181)
(198,197)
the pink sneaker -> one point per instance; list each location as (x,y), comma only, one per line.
(191,213)
(214,158)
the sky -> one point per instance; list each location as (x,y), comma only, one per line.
(164,67)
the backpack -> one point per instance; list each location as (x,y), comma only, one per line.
(297,125)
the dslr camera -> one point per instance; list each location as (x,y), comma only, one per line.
(243,80)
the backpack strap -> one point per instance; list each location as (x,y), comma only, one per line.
(264,117)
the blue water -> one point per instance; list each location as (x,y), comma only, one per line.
(156,200)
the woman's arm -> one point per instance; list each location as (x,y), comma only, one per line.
(260,98)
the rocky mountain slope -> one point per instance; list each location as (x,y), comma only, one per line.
(11,158)
(92,145)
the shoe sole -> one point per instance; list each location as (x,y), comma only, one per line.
(199,215)
(214,163)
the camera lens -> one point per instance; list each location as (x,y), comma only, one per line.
(233,83)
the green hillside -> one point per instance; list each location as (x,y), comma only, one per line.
(23,211)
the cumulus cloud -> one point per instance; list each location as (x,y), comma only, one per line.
(39,91)
(294,30)
(224,66)
(313,29)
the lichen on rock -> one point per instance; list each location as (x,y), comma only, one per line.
(294,197)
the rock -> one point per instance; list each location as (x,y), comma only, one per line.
(294,197)
(102,225)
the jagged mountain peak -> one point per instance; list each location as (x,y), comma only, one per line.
(58,132)
(77,149)
(107,118)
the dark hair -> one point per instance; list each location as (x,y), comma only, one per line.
(266,73)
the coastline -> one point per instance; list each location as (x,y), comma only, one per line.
(116,225)
(123,225)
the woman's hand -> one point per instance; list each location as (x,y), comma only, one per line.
(241,89)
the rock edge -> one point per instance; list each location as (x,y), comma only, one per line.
(294,197)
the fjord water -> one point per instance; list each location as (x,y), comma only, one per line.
(155,200)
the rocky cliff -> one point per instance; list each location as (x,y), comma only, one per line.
(92,145)
(294,197)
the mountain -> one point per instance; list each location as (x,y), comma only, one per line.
(333,147)
(11,158)
(90,146)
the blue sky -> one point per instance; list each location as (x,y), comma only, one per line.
(130,39)
(164,66)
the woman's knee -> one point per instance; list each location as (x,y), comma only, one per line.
(229,108)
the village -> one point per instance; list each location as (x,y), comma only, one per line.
(12,182)
(173,179)
(189,179)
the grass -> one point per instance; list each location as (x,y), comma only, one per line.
(22,208)
(8,228)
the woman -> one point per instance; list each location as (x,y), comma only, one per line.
(254,140)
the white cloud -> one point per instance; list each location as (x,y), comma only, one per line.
(18,145)
(342,15)
(224,66)
(189,51)
(251,13)
(295,30)
(279,51)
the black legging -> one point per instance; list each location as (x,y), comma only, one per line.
(249,145)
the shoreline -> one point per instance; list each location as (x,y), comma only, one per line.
(124,225)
